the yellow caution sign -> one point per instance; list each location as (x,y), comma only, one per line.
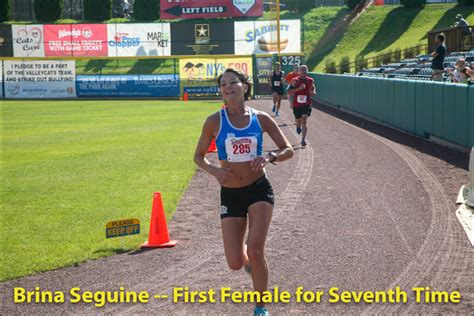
(122,227)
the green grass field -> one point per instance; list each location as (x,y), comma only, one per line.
(315,23)
(383,28)
(68,167)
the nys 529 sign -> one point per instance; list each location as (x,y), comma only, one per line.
(206,9)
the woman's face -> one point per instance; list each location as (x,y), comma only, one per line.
(231,88)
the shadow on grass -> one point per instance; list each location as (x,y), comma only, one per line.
(140,251)
(94,66)
(150,66)
(449,17)
(329,40)
(111,251)
(291,15)
(396,23)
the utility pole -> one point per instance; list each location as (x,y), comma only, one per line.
(278,26)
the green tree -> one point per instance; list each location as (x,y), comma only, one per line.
(146,10)
(466,2)
(413,3)
(4,10)
(97,10)
(361,63)
(48,10)
(331,66)
(410,52)
(397,54)
(387,57)
(344,65)
(299,6)
(352,3)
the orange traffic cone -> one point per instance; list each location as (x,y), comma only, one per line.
(212,147)
(158,236)
(185,96)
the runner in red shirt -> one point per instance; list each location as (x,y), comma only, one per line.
(288,78)
(302,89)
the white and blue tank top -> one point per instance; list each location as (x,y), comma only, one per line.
(239,144)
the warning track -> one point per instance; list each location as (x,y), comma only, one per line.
(354,210)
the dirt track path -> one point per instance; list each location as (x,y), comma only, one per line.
(354,210)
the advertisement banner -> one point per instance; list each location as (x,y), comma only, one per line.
(6,44)
(264,71)
(260,37)
(209,9)
(40,79)
(28,40)
(75,40)
(128,86)
(153,39)
(198,75)
(202,38)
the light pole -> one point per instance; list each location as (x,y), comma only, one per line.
(278,26)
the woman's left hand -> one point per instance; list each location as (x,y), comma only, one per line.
(258,163)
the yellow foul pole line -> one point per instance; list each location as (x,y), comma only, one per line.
(278,25)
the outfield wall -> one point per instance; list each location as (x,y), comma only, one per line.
(424,108)
(220,37)
(163,77)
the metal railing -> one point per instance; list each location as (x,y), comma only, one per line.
(456,39)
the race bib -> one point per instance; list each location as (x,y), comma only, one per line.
(276,83)
(302,99)
(241,149)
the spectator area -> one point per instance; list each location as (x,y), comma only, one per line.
(418,68)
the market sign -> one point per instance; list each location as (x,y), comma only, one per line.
(122,227)
(208,9)
(147,39)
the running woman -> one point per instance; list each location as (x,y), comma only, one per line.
(302,89)
(276,81)
(246,193)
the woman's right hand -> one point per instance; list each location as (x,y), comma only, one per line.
(222,175)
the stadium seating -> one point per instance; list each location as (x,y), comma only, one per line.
(418,68)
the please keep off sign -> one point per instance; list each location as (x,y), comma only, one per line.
(122,227)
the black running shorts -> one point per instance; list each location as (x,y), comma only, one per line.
(299,111)
(278,90)
(236,201)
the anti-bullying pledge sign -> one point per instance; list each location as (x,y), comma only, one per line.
(207,9)
(75,40)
